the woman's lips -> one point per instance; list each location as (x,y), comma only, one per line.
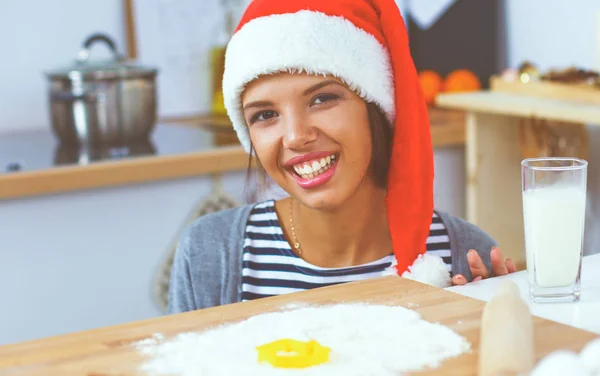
(311,178)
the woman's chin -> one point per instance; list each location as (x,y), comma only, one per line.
(327,192)
(320,203)
(323,199)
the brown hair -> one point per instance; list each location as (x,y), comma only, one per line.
(381,149)
(381,144)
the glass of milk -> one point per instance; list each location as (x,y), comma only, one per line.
(554,200)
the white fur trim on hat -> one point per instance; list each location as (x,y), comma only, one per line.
(311,42)
(430,270)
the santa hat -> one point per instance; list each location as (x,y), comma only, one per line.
(365,44)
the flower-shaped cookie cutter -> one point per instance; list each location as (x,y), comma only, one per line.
(290,353)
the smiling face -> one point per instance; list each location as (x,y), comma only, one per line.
(311,135)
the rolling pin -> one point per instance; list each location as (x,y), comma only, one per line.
(506,336)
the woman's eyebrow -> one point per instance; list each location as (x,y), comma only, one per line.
(257,104)
(311,89)
(320,85)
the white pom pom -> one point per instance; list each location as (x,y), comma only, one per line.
(590,356)
(560,363)
(430,270)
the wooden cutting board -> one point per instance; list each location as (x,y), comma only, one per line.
(108,351)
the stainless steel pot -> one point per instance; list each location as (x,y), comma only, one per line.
(102,102)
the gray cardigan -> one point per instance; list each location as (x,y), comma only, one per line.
(207,269)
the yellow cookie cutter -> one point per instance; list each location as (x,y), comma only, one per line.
(289,353)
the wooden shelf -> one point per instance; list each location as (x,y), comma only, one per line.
(569,92)
(115,173)
(506,104)
(447,127)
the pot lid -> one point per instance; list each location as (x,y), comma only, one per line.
(118,67)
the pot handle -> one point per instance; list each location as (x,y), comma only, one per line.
(84,53)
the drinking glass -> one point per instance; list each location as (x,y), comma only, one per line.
(554,201)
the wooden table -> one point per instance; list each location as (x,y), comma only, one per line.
(493,156)
(108,351)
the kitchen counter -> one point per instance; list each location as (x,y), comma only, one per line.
(583,315)
(33,163)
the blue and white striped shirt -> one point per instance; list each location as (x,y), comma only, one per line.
(270,267)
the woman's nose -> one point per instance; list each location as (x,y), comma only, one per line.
(298,133)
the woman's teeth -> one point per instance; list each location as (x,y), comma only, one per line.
(316,167)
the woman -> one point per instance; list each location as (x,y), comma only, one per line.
(326,95)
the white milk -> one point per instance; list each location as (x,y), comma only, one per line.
(554,222)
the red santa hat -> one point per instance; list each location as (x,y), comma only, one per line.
(364,43)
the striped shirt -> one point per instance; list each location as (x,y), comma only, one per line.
(270,267)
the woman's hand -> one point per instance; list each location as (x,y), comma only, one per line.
(500,266)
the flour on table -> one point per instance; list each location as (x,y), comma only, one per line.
(364,340)
(294,306)
(561,362)
(590,357)
(154,340)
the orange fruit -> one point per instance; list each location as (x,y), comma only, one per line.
(431,84)
(461,80)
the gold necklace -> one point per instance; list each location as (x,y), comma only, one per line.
(296,243)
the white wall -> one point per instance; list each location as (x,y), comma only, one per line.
(82,260)
(553,33)
(40,35)
(557,34)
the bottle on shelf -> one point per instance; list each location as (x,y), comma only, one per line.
(217,54)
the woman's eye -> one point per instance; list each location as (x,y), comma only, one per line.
(324,98)
(262,116)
